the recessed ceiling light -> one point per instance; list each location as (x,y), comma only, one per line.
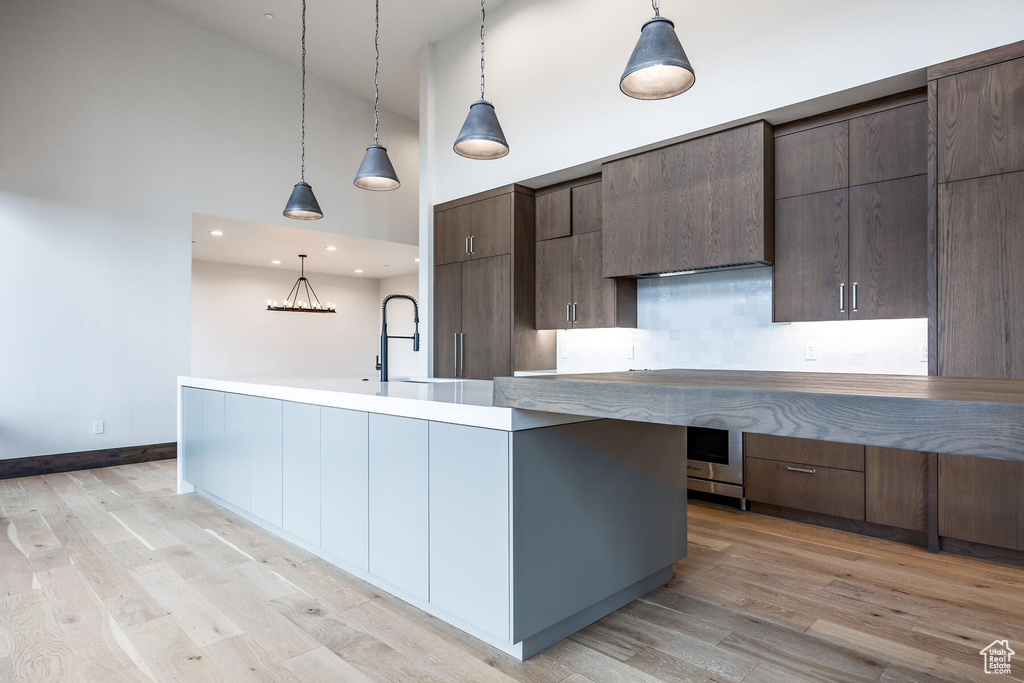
(358,271)
(216,233)
(276,262)
(332,249)
(268,15)
(416,260)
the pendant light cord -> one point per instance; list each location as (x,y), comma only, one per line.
(303,175)
(657,7)
(482,17)
(376,71)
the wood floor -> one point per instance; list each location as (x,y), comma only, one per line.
(107,575)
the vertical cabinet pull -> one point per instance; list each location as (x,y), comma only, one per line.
(455,360)
(471,249)
(467,249)
(462,354)
(853,304)
(574,311)
(567,309)
(842,297)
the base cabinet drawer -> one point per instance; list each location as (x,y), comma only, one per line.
(844,456)
(805,487)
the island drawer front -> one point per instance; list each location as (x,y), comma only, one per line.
(843,456)
(797,485)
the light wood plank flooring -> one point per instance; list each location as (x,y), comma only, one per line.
(107,575)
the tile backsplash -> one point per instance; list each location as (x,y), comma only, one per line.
(723,320)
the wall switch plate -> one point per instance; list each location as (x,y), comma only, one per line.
(924,354)
(812,352)
(565,349)
(97,427)
(630,352)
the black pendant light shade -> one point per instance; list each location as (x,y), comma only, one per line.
(481,136)
(302,205)
(376,171)
(658,68)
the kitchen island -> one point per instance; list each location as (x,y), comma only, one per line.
(517,527)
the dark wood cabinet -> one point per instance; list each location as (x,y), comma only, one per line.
(888,249)
(554,214)
(851,230)
(812,257)
(896,488)
(981,500)
(598,301)
(824,490)
(587,201)
(813,160)
(447,319)
(698,204)
(843,456)
(554,284)
(484,296)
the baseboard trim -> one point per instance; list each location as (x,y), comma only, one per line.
(889,533)
(86,460)
(982,551)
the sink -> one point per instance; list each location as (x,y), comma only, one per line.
(427,380)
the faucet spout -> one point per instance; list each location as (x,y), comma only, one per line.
(382,361)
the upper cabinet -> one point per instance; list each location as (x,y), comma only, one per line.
(851,214)
(703,203)
(571,289)
(478,229)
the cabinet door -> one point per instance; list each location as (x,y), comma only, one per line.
(554,215)
(982,500)
(230,476)
(980,279)
(344,478)
(192,435)
(811,257)
(469,525)
(890,144)
(795,485)
(600,301)
(213,436)
(451,235)
(487,318)
(554,283)
(447,319)
(981,122)
(813,160)
(586,208)
(398,502)
(889,249)
(896,487)
(491,227)
(267,459)
(301,471)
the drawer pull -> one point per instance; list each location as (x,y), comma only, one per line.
(801,469)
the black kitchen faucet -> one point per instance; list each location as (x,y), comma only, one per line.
(382,359)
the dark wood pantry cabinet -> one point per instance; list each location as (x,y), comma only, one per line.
(572,291)
(851,198)
(484,250)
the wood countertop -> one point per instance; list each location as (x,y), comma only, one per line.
(966,416)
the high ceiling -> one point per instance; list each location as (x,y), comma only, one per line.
(247,243)
(339,37)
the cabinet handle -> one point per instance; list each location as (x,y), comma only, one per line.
(567,318)
(455,360)
(801,469)
(462,354)
(467,252)
(842,297)
(854,303)
(471,249)
(574,311)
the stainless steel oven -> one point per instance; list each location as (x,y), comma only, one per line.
(714,461)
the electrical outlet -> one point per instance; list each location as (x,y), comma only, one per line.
(812,352)
(630,352)
(924,354)
(565,349)
(97,427)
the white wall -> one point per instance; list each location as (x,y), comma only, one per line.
(722,321)
(402,360)
(233,333)
(119,121)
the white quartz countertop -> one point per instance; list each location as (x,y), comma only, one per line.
(466,402)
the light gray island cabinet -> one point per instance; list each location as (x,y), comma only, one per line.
(518,528)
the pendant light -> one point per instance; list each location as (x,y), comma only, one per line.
(376,172)
(294,304)
(658,68)
(481,136)
(302,205)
